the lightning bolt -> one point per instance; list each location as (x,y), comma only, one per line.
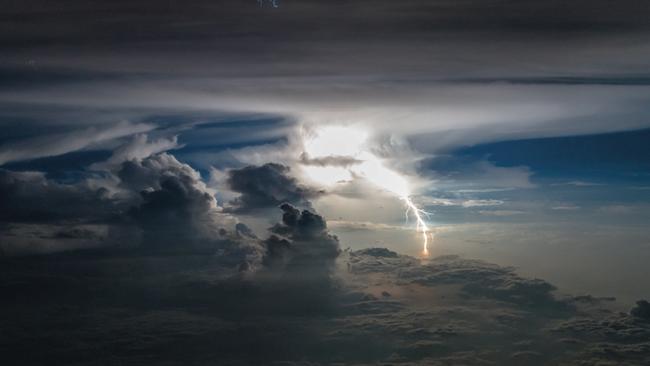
(346,142)
(420,224)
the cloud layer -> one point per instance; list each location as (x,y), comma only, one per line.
(382,308)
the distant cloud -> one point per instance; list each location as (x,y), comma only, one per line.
(376,307)
(467,203)
(29,197)
(641,310)
(578,183)
(482,203)
(565,207)
(501,212)
(363,225)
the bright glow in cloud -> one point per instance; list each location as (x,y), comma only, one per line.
(335,141)
(327,175)
(351,143)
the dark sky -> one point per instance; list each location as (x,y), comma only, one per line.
(482,38)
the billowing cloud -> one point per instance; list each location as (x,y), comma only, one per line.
(139,198)
(176,208)
(267,186)
(302,244)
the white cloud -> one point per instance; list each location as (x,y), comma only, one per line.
(481,203)
(138,148)
(467,203)
(502,213)
(565,207)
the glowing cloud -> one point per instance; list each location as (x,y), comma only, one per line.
(351,143)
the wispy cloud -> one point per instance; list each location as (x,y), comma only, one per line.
(467,203)
(567,207)
(502,212)
(578,183)
(61,143)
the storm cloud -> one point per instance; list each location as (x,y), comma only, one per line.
(301,243)
(386,308)
(267,186)
(140,200)
(29,197)
(156,205)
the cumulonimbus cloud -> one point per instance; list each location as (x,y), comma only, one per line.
(267,186)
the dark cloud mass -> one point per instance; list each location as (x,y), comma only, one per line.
(302,243)
(267,186)
(29,197)
(382,308)
(641,310)
(155,204)
(176,209)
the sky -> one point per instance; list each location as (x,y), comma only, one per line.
(183,182)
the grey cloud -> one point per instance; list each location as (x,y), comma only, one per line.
(244,230)
(29,238)
(144,174)
(559,80)
(30,197)
(302,244)
(611,327)
(75,233)
(340,161)
(609,338)
(177,212)
(593,333)
(373,260)
(154,204)
(478,278)
(198,309)
(628,354)
(266,186)
(641,310)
